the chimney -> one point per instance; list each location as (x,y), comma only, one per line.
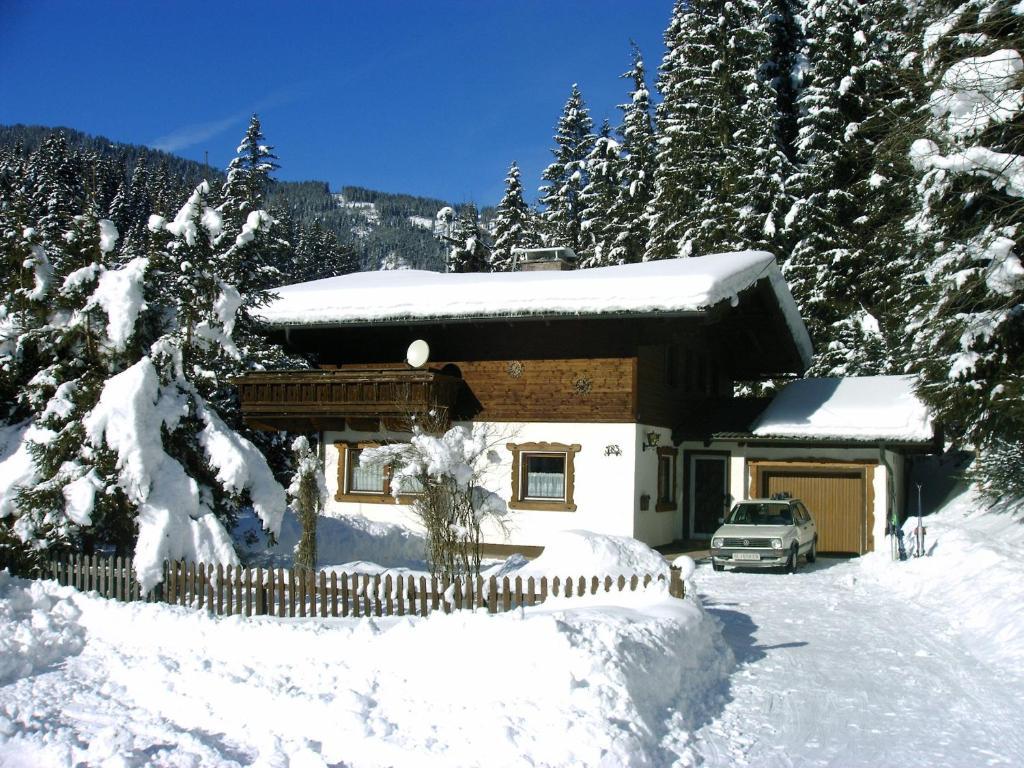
(543,259)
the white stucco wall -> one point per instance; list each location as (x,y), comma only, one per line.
(651,526)
(605,490)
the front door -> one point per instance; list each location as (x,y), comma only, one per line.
(709,493)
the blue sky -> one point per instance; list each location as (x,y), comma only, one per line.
(429,98)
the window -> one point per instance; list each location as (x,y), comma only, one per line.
(543,476)
(372,484)
(666,480)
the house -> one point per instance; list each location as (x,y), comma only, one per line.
(595,386)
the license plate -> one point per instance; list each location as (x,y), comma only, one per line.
(746,556)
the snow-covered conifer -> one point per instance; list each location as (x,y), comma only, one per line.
(603,173)
(566,176)
(468,252)
(512,223)
(721,167)
(628,219)
(969,330)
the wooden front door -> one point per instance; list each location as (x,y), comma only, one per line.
(836,501)
(709,493)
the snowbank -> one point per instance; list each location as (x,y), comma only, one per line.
(973,575)
(38,627)
(585,553)
(858,407)
(620,682)
(340,540)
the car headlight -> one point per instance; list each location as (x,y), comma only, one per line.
(776,543)
(716,543)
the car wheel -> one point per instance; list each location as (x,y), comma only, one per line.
(812,553)
(794,553)
(717,566)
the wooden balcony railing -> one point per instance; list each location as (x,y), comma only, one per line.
(313,400)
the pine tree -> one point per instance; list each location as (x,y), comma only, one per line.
(719,181)
(834,179)
(469,250)
(604,170)
(969,326)
(76,501)
(627,218)
(26,276)
(563,209)
(512,223)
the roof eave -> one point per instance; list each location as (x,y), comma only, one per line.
(500,318)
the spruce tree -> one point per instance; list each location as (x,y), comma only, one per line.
(628,216)
(835,182)
(721,165)
(468,252)
(604,170)
(969,328)
(566,177)
(512,223)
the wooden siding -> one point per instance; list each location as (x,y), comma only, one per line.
(675,382)
(592,389)
(571,390)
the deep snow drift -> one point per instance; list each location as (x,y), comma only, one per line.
(611,680)
(863,662)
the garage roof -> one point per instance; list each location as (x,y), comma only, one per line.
(858,408)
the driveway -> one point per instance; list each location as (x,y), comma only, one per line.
(832,670)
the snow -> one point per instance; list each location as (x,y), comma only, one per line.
(576,553)
(1005,170)
(173,522)
(38,629)
(108,235)
(80,497)
(16,466)
(871,662)
(240,466)
(119,293)
(875,408)
(861,662)
(617,680)
(674,285)
(341,541)
(255,221)
(184,224)
(978,91)
(42,272)
(973,575)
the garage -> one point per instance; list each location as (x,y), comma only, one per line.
(838,495)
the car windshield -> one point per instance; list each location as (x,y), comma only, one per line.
(761,514)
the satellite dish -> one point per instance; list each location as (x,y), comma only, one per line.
(418,353)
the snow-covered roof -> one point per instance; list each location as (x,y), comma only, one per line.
(670,286)
(858,408)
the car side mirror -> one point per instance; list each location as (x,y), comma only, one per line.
(721,520)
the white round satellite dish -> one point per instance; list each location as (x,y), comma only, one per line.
(418,353)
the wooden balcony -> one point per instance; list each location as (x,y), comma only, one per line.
(315,400)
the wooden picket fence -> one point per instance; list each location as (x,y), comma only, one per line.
(284,592)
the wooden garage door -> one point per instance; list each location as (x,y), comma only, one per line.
(836,501)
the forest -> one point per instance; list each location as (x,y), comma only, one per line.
(873,147)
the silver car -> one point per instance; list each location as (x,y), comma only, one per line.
(765,533)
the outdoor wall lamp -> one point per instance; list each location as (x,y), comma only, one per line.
(651,441)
